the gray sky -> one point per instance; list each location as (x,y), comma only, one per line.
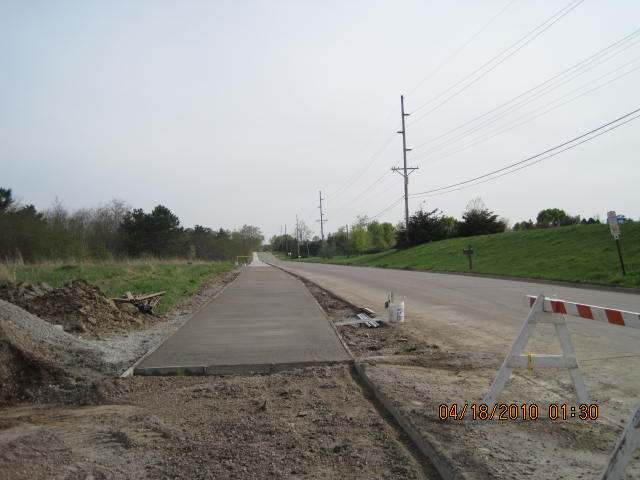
(233,112)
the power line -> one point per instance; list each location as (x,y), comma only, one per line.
(544,26)
(396,202)
(536,112)
(370,161)
(522,167)
(541,154)
(457,52)
(586,64)
(562,12)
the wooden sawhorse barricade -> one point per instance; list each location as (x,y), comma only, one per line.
(541,308)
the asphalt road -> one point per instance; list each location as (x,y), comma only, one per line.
(475,314)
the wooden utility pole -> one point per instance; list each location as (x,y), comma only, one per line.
(298,236)
(322,219)
(405,171)
(286,248)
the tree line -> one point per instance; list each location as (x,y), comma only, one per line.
(114,230)
(370,236)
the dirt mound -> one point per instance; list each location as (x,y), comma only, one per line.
(81,308)
(39,362)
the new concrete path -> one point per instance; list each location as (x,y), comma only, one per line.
(265,320)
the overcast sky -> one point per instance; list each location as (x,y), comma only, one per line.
(232,112)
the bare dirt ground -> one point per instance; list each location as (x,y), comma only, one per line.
(418,373)
(363,341)
(315,423)
(67,416)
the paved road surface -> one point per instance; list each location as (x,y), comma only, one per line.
(484,315)
(265,318)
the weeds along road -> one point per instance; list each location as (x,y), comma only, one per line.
(473,314)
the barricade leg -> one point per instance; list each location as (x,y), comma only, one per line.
(628,443)
(518,347)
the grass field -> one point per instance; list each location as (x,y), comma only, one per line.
(178,278)
(581,253)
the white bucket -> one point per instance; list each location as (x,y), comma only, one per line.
(396,312)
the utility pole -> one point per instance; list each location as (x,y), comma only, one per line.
(405,171)
(298,236)
(322,219)
(285,241)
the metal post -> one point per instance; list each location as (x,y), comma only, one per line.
(624,272)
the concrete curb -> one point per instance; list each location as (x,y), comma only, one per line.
(427,446)
(131,370)
(258,368)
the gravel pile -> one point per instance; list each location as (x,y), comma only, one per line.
(40,362)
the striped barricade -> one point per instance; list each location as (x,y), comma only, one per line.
(591,312)
(551,310)
(554,311)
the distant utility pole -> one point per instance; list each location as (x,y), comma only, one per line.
(322,219)
(298,236)
(285,241)
(405,171)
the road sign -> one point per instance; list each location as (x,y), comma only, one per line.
(614,226)
(469,253)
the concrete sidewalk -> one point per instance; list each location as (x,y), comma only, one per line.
(265,320)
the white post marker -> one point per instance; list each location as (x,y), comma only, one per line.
(517,358)
(614,226)
(627,445)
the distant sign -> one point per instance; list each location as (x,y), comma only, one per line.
(614,226)
(469,253)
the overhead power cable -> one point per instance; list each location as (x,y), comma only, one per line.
(531,115)
(396,202)
(532,160)
(459,50)
(603,55)
(370,161)
(522,167)
(494,62)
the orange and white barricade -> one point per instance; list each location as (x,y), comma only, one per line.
(554,311)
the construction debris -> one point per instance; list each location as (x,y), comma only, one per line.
(362,318)
(144,303)
(368,311)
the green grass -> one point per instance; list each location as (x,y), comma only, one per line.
(580,253)
(178,278)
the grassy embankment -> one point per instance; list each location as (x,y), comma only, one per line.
(178,278)
(581,253)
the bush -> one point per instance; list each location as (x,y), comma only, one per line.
(479,220)
(425,227)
